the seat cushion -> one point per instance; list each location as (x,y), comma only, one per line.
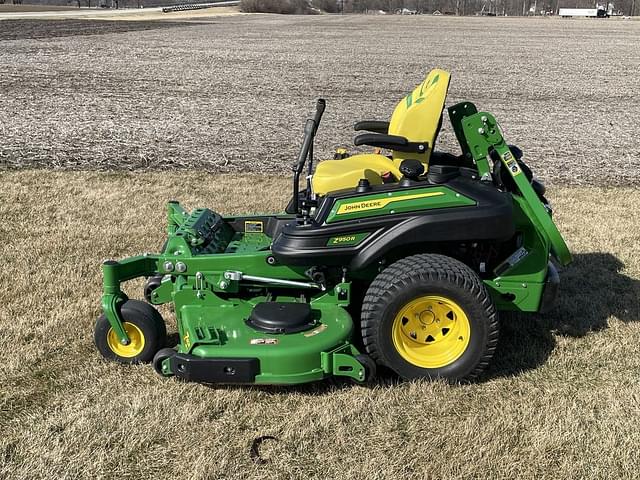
(418,116)
(332,175)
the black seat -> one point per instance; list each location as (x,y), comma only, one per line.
(445,158)
(391,142)
(375,126)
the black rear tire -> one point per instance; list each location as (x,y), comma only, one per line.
(408,281)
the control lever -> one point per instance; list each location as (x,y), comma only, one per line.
(306,150)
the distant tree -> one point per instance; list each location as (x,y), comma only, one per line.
(330,6)
(275,6)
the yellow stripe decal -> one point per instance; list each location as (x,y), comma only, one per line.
(381,202)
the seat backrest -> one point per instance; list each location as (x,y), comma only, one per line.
(418,116)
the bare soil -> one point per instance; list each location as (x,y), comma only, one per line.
(34,8)
(231,95)
(21,29)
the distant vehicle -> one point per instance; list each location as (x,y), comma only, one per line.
(599,12)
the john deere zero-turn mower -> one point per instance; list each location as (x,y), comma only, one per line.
(400,260)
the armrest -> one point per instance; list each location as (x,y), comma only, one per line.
(375,126)
(391,142)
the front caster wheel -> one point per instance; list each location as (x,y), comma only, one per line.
(159,358)
(145,329)
(430,316)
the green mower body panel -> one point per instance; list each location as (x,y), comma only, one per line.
(396,202)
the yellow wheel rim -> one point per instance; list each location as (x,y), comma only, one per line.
(134,347)
(431,331)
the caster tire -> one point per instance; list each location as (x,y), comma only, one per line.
(150,285)
(145,309)
(160,357)
(370,368)
(145,328)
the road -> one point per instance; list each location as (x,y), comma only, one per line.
(94,12)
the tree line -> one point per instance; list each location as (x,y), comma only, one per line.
(445,7)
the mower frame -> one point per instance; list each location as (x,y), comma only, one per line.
(527,281)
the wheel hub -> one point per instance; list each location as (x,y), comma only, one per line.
(426,318)
(431,331)
(130,349)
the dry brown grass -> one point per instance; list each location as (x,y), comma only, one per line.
(562,399)
(231,95)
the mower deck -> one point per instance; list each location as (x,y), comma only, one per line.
(214,337)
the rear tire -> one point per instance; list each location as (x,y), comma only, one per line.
(430,316)
(145,328)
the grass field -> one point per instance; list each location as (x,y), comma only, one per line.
(560,400)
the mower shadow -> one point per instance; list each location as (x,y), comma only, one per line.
(592,289)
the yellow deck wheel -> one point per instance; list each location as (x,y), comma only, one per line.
(431,331)
(134,348)
(145,328)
